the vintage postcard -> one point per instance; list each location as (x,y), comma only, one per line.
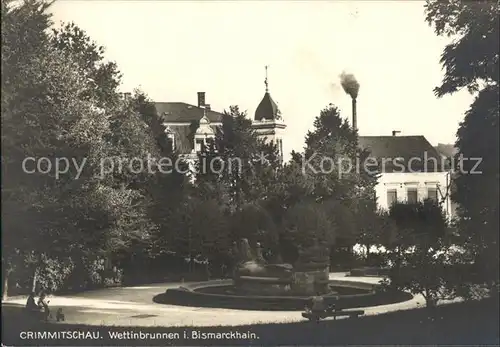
(249,173)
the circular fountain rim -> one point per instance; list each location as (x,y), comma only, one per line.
(186,295)
(194,287)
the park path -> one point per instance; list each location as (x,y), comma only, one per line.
(134,306)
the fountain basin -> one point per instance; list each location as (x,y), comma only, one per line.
(266,280)
(252,285)
(223,294)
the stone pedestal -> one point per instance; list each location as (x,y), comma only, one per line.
(308,277)
(253,278)
(311,271)
(310,282)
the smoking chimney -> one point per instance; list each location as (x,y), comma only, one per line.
(354,115)
(351,87)
(201,99)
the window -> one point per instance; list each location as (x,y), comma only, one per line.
(432,194)
(199,145)
(392,197)
(171,140)
(170,137)
(204,132)
(412,195)
(280,148)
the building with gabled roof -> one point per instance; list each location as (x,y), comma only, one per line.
(412,151)
(189,127)
(410,169)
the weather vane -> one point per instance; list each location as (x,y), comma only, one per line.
(265,81)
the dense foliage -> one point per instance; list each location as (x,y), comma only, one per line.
(419,252)
(61,109)
(471,61)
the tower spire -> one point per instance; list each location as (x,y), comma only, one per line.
(265,81)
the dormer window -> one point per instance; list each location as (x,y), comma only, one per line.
(170,138)
(203,134)
(171,141)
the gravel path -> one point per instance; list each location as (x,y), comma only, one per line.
(133,306)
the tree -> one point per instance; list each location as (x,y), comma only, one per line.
(306,225)
(419,254)
(240,169)
(201,231)
(330,164)
(244,173)
(246,163)
(471,61)
(129,157)
(103,78)
(255,223)
(43,116)
(373,227)
(126,157)
(167,186)
(53,108)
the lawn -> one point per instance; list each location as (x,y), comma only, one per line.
(473,323)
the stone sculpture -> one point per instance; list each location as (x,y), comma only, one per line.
(308,276)
(256,265)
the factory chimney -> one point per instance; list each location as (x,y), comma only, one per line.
(354,115)
(201,99)
(351,87)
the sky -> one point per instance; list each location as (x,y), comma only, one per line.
(173,49)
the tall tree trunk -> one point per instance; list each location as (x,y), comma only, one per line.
(5,288)
(35,279)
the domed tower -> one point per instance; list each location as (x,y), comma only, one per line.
(268,122)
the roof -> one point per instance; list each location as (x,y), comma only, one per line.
(181,112)
(405,148)
(267,109)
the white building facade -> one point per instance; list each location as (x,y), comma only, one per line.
(412,187)
(414,171)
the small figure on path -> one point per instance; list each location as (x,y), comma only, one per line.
(259,253)
(43,305)
(60,315)
(317,304)
(30,303)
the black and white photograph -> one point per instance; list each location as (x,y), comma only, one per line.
(250,173)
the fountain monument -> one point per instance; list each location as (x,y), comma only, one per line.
(308,276)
